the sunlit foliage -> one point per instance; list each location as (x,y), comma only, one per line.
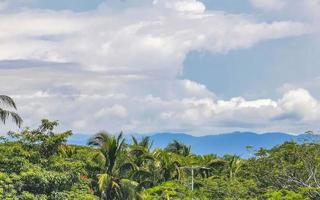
(38,164)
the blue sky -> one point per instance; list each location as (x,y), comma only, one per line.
(256,72)
(145,66)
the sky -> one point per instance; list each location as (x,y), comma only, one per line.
(146,66)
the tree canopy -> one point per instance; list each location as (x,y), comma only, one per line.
(39,164)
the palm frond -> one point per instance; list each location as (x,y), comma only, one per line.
(146,142)
(120,140)
(145,184)
(7,101)
(16,119)
(103,181)
(5,114)
(178,148)
(148,157)
(134,140)
(137,150)
(141,174)
(127,167)
(99,139)
(100,159)
(129,189)
(129,182)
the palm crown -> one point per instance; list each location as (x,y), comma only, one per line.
(6,105)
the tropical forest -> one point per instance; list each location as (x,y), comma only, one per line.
(38,164)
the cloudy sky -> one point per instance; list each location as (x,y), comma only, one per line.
(144,66)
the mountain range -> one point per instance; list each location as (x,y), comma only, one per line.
(235,143)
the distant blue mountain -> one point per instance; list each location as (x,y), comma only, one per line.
(230,143)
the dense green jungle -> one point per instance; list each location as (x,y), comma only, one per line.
(39,164)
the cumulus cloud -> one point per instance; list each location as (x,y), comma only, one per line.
(87,102)
(295,111)
(118,68)
(139,40)
(300,103)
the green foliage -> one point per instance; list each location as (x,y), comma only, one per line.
(38,165)
(285,195)
(289,166)
(31,166)
(168,190)
(111,183)
(225,188)
(43,139)
(39,181)
(178,148)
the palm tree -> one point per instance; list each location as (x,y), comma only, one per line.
(112,184)
(152,168)
(141,162)
(166,166)
(234,166)
(7,102)
(178,148)
(140,151)
(145,142)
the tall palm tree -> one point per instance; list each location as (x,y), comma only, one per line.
(140,151)
(141,162)
(178,148)
(6,103)
(167,166)
(112,184)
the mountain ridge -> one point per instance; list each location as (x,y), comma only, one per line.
(219,144)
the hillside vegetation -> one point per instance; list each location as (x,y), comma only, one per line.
(38,164)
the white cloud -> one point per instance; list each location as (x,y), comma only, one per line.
(189,6)
(295,9)
(174,105)
(302,104)
(138,41)
(115,111)
(118,69)
(269,4)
